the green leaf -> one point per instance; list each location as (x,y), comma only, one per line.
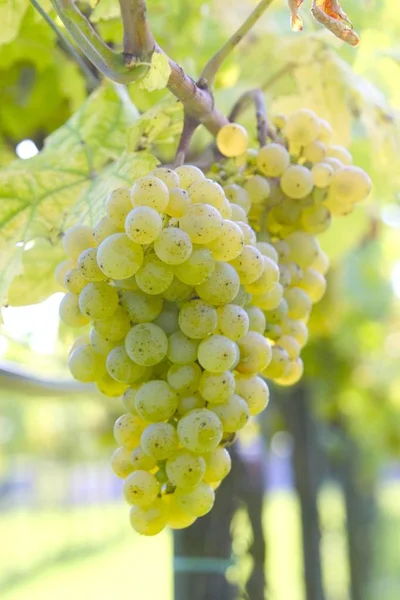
(160,122)
(157,76)
(11,15)
(105,11)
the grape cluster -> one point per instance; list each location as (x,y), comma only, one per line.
(165,278)
(290,189)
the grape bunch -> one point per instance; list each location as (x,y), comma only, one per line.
(290,189)
(164,278)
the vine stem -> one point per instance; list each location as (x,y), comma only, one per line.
(138,39)
(210,70)
(189,127)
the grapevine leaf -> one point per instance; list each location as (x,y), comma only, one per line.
(11,15)
(157,76)
(160,122)
(105,11)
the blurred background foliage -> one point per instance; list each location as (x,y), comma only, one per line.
(52,446)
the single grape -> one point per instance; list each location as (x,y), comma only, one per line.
(316,219)
(341,154)
(249,236)
(177,517)
(232,140)
(202,222)
(197,268)
(143,225)
(297,182)
(184,379)
(98,300)
(350,185)
(325,131)
(293,373)
(178,203)
(150,191)
(218,465)
(168,318)
(70,313)
(297,329)
(322,173)
(198,501)
(197,319)
(128,430)
(271,299)
(168,176)
(129,398)
(268,279)
(258,189)
(291,345)
(238,195)
(159,440)
(104,228)
(118,204)
(216,388)
(221,287)
(77,239)
(87,265)
(150,520)
(229,243)
(100,344)
(267,250)
(314,152)
(62,269)
(86,365)
(188,174)
(303,248)
(233,321)
(255,353)
(302,127)
(109,387)
(154,276)
(140,488)
(256,319)
(254,391)
(119,257)
(278,365)
(207,191)
(121,368)
(272,160)
(185,470)
(74,281)
(238,213)
(217,354)
(321,263)
(335,163)
(178,291)
(299,303)
(141,461)
(278,314)
(140,307)
(188,403)
(113,328)
(234,413)
(200,431)
(121,462)
(146,344)
(173,246)
(314,283)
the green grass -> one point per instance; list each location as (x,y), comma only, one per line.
(91,552)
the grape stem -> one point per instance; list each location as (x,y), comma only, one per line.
(256,98)
(215,62)
(138,40)
(189,127)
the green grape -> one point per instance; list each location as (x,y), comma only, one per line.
(143,225)
(86,365)
(234,413)
(188,403)
(221,287)
(226,210)
(272,160)
(278,314)
(314,152)
(271,299)
(229,243)
(185,470)
(184,379)
(297,329)
(62,269)
(188,174)
(315,219)
(119,257)
(232,140)
(109,387)
(217,387)
(291,345)
(303,248)
(257,320)
(242,297)
(255,353)
(207,191)
(98,300)
(99,344)
(150,191)
(335,163)
(168,176)
(197,319)
(254,391)
(156,401)
(129,398)
(168,318)
(314,283)
(74,281)
(70,313)
(350,185)
(299,303)
(140,488)
(121,368)
(150,520)
(77,239)
(113,328)
(200,431)
(177,518)
(297,182)
(128,430)
(173,246)
(249,236)
(302,127)
(202,222)
(287,213)
(218,465)
(325,131)
(233,321)
(238,195)
(118,204)
(296,273)
(322,173)
(282,249)
(178,203)
(159,440)
(121,462)
(140,307)
(321,263)
(267,250)
(238,213)
(217,353)
(146,344)
(198,501)
(87,265)
(178,291)
(278,365)
(154,276)
(267,280)
(341,154)
(104,228)
(258,189)
(126,284)
(272,331)
(293,373)
(197,268)
(141,461)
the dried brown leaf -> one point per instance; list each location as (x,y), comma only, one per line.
(330,14)
(296,21)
